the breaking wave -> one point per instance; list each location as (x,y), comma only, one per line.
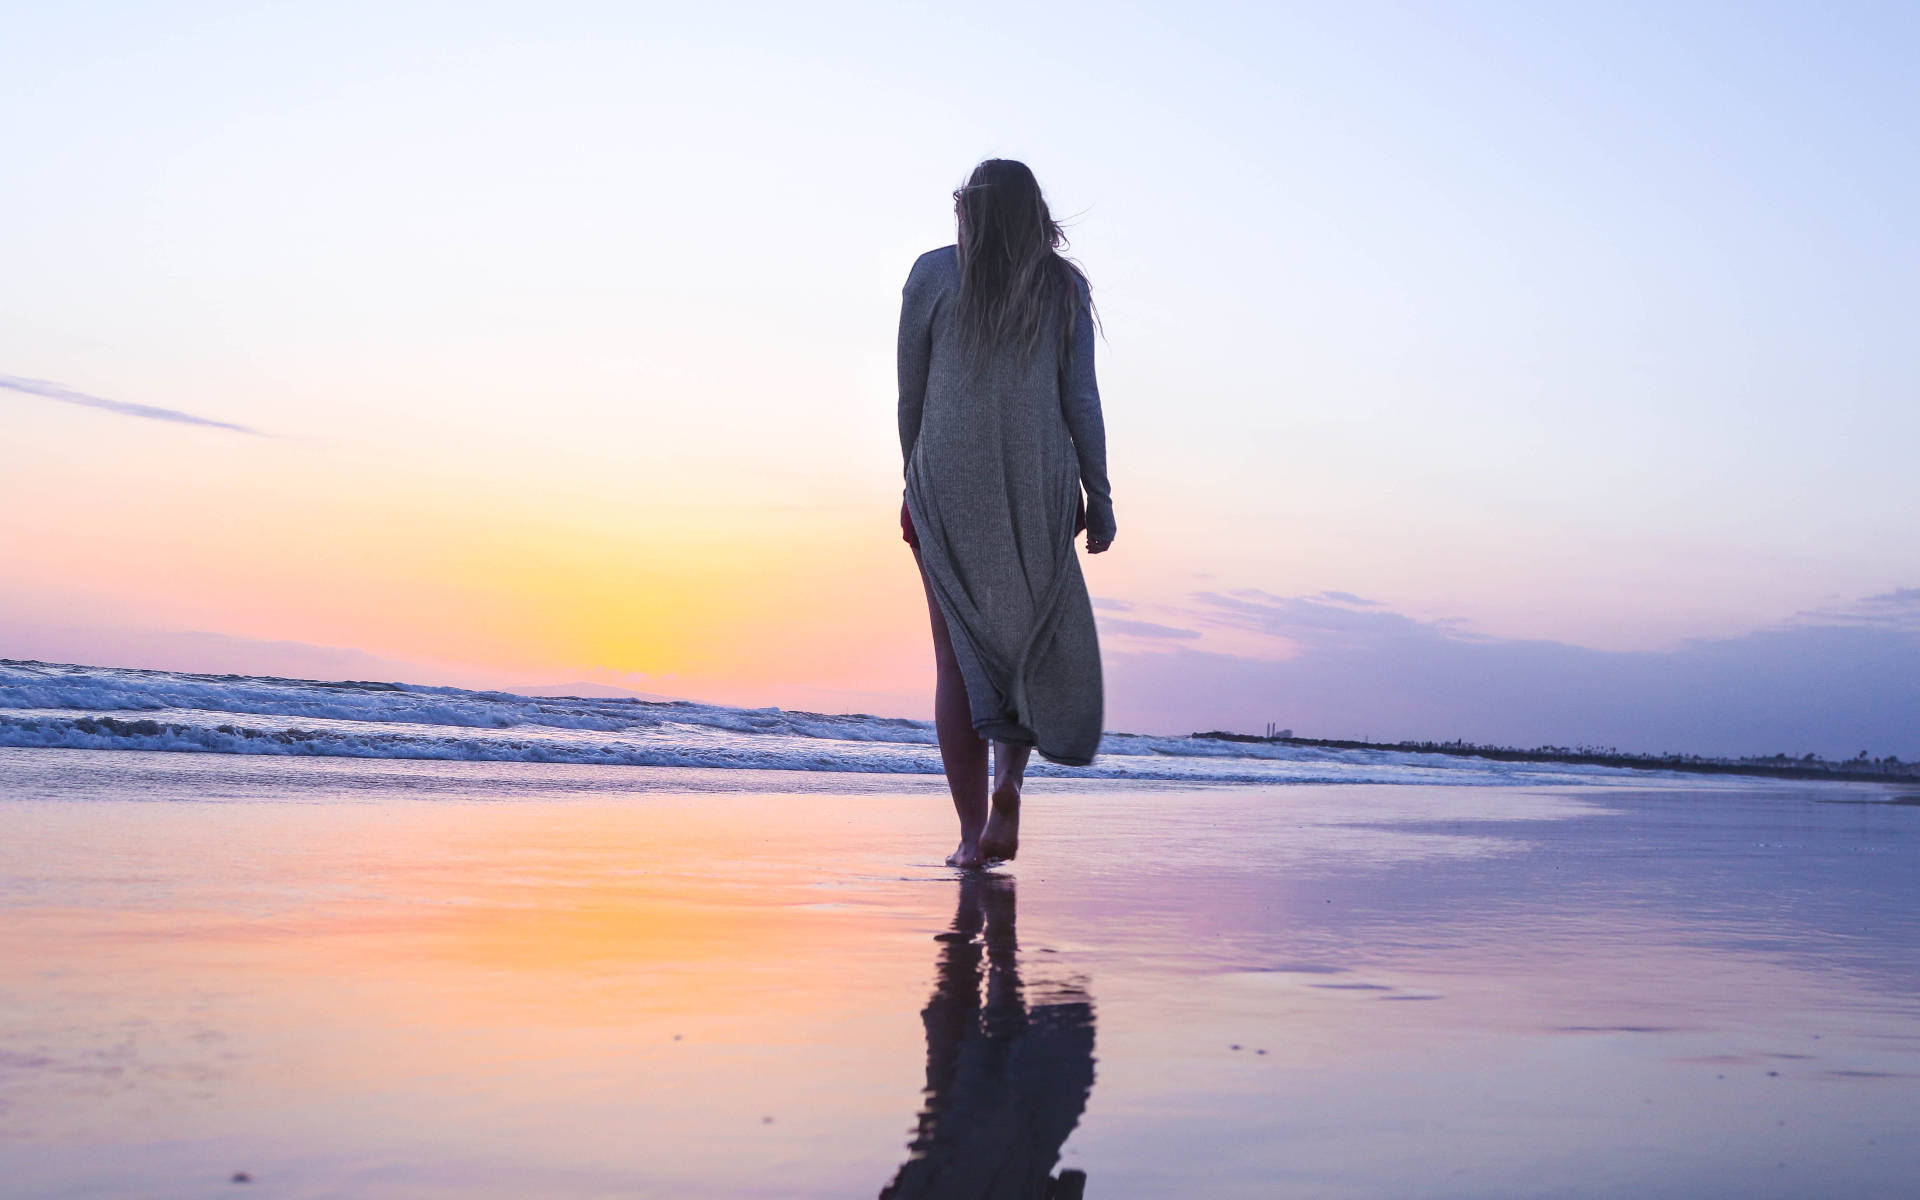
(109,708)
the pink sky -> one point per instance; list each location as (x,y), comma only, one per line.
(542,350)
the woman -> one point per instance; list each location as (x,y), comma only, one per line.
(1000,427)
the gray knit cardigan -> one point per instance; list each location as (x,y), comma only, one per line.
(995,461)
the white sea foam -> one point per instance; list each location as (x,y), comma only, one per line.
(104,708)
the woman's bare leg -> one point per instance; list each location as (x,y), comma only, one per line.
(963,752)
(1001,838)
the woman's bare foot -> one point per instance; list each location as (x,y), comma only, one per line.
(1001,838)
(967,856)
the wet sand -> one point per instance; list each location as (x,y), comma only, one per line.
(382,978)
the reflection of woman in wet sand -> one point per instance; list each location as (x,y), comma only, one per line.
(1006,1081)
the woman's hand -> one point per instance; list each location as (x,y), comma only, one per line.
(1100,526)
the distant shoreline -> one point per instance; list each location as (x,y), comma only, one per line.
(1778,766)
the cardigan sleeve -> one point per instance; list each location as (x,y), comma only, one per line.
(1080,403)
(913,354)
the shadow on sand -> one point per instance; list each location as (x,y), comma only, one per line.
(1007,1079)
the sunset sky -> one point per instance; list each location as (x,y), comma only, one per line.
(1457,355)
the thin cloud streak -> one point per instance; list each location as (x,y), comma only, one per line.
(1145,629)
(53,391)
(1898,609)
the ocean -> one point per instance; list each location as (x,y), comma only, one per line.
(51,705)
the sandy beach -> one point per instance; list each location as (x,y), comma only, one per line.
(411,979)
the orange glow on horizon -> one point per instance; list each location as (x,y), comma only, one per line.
(532,580)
